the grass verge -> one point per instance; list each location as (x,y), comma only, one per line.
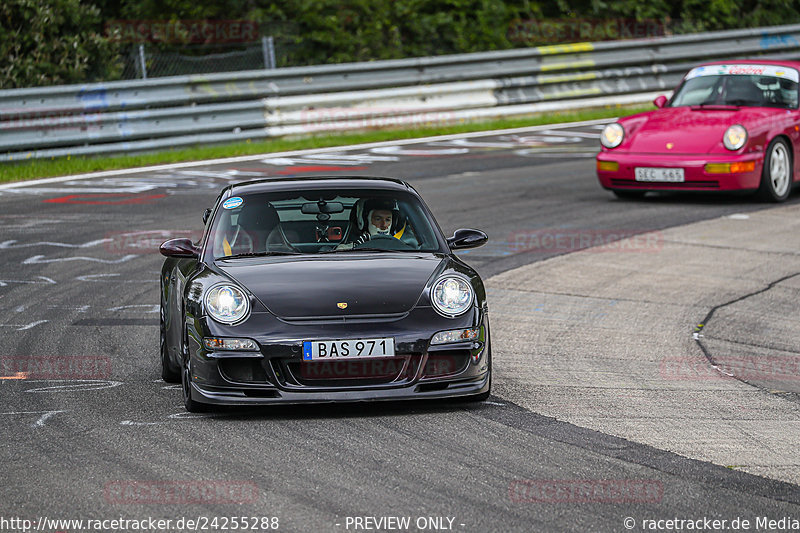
(43,168)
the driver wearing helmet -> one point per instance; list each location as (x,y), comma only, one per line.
(380,218)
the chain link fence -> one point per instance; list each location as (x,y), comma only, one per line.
(158,48)
(152,48)
(150,61)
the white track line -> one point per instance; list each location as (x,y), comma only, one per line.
(240,159)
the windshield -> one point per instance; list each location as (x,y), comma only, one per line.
(739,85)
(321,221)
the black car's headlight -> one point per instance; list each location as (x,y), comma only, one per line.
(231,344)
(227,303)
(455,335)
(612,135)
(452,296)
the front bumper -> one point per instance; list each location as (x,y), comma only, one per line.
(278,375)
(695,176)
(230,396)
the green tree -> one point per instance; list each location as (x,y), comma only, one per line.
(45,42)
(335,31)
(53,42)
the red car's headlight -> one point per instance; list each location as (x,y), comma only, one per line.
(612,135)
(734,137)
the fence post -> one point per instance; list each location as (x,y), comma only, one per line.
(268,49)
(142,65)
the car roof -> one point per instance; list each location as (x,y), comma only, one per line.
(755,61)
(317,182)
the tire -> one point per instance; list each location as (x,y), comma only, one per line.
(191,405)
(628,195)
(168,373)
(777,175)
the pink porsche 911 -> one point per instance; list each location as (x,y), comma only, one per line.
(729,126)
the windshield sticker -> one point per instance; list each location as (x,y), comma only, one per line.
(232,203)
(776,71)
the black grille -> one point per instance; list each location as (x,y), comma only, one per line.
(352,373)
(445,363)
(243,370)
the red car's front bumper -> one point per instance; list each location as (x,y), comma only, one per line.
(696,177)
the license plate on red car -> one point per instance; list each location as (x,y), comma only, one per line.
(348,349)
(658,174)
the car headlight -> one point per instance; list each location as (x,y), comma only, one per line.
(243,345)
(452,296)
(455,335)
(612,135)
(227,303)
(734,137)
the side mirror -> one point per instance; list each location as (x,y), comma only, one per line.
(206,214)
(660,101)
(467,238)
(179,248)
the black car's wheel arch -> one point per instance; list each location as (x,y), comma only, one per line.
(169,362)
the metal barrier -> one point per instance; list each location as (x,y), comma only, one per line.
(168,112)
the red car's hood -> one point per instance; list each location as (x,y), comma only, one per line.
(690,130)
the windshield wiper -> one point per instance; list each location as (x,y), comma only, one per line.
(257,254)
(739,102)
(362,250)
(721,105)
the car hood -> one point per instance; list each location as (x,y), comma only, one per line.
(691,130)
(314,287)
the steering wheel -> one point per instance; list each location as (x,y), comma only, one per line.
(385,241)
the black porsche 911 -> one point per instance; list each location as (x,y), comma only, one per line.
(323,290)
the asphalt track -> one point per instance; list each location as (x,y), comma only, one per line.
(102,439)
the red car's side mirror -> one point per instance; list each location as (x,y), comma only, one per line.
(660,101)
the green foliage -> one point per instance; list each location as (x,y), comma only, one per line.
(53,42)
(336,31)
(44,42)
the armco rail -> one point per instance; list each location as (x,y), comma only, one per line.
(167,112)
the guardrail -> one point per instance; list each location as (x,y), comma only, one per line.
(167,112)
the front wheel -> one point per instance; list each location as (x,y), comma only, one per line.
(776,178)
(191,405)
(168,373)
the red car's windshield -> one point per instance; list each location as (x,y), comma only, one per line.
(751,90)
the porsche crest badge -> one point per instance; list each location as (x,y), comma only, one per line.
(342,305)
